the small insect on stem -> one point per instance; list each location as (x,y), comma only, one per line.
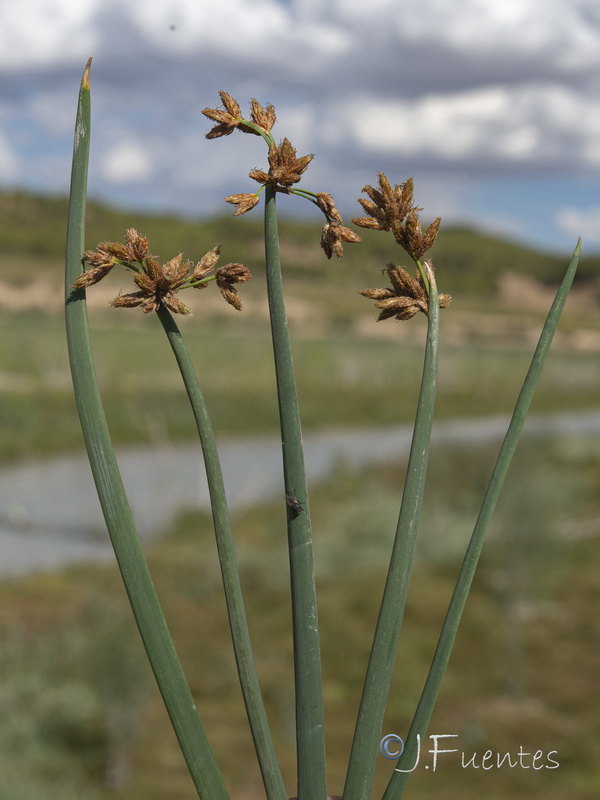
(294,503)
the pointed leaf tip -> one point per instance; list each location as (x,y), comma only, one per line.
(85,81)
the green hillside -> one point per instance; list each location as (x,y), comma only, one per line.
(32,231)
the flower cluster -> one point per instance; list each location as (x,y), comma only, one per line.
(158,284)
(407,296)
(230,117)
(391,209)
(285,169)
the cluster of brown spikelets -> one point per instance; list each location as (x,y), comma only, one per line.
(158,284)
(388,208)
(285,168)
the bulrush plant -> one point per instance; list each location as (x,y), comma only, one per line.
(158,288)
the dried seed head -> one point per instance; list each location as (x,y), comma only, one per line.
(101,261)
(158,284)
(219,130)
(264,118)
(122,252)
(137,243)
(410,236)
(327,206)
(91,276)
(399,307)
(387,206)
(227,119)
(205,266)
(244,202)
(285,167)
(232,297)
(233,273)
(229,275)
(230,105)
(176,271)
(333,236)
(368,222)
(407,296)
(259,176)
(391,209)
(431,234)
(148,302)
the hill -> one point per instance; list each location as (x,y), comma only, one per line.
(32,232)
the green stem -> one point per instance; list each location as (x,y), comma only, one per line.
(257,717)
(268,137)
(130,558)
(385,643)
(445,643)
(424,277)
(307,652)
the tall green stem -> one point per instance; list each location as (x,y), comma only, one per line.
(387,633)
(130,558)
(240,635)
(445,643)
(310,733)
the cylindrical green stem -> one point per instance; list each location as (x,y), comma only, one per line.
(385,642)
(307,652)
(132,564)
(441,657)
(240,635)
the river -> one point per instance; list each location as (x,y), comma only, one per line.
(50,516)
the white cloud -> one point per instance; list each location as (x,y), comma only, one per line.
(40,32)
(126,162)
(584,222)
(533,124)
(453,87)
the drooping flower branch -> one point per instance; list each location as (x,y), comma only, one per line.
(285,169)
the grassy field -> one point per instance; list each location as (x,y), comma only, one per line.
(81,715)
(377,377)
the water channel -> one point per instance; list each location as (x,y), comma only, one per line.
(50,516)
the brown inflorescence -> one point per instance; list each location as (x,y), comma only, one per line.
(158,284)
(229,275)
(244,202)
(285,169)
(406,297)
(390,208)
(333,237)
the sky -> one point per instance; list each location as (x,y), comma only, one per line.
(492,106)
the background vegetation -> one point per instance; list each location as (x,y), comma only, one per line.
(79,715)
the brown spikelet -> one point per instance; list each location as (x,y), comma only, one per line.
(406,297)
(206,264)
(333,236)
(264,118)
(227,118)
(231,106)
(91,276)
(327,206)
(260,176)
(431,234)
(244,202)
(137,243)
